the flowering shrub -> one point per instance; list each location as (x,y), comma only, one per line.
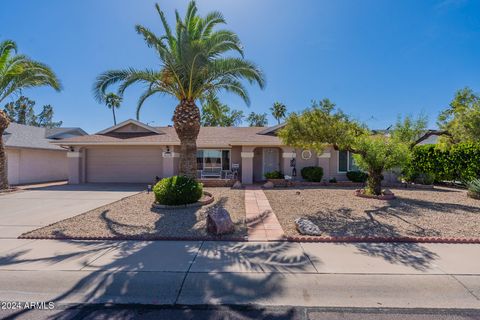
(177,190)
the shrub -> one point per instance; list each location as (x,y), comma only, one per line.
(357,176)
(312,174)
(177,190)
(461,162)
(274,175)
(474,189)
(333,180)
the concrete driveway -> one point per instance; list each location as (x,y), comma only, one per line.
(30,209)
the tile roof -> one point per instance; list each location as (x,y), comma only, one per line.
(22,136)
(208,136)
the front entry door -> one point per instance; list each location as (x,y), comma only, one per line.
(270,160)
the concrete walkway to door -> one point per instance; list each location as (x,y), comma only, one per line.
(31,209)
(262,222)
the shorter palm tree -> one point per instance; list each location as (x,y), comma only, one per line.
(279,111)
(113,101)
(18,72)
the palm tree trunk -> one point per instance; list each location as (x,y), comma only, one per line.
(186,120)
(114,118)
(4,122)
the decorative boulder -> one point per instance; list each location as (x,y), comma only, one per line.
(307,227)
(387,192)
(268,185)
(237,185)
(219,222)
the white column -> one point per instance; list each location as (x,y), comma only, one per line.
(168,163)
(74,166)
(324,162)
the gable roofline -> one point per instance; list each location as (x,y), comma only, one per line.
(272,129)
(67,130)
(131,121)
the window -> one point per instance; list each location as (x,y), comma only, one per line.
(346,162)
(211,158)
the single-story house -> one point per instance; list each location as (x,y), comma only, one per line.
(32,158)
(133,152)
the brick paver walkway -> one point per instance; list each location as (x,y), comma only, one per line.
(262,222)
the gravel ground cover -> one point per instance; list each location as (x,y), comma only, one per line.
(134,218)
(441,212)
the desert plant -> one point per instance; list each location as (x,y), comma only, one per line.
(312,174)
(374,152)
(274,175)
(195,59)
(474,189)
(357,176)
(177,190)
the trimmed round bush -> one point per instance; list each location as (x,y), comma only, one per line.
(274,175)
(357,176)
(312,174)
(177,190)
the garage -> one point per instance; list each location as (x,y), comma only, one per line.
(125,164)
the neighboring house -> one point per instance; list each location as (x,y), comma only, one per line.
(31,157)
(135,152)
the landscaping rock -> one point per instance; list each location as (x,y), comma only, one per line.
(219,222)
(268,185)
(387,192)
(237,185)
(307,227)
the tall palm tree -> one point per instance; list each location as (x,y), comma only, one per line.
(279,111)
(18,72)
(113,102)
(192,65)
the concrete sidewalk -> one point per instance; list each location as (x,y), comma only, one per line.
(262,273)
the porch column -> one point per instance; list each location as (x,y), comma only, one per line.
(168,162)
(75,166)
(288,153)
(324,162)
(247,165)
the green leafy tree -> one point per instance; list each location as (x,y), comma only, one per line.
(196,59)
(461,120)
(324,125)
(113,101)
(22,111)
(45,118)
(257,119)
(216,114)
(279,111)
(18,72)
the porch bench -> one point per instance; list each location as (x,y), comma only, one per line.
(211,173)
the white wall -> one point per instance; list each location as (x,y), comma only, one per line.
(32,165)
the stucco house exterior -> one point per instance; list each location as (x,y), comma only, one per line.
(32,158)
(133,152)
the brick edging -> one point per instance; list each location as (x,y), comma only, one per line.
(137,238)
(382,239)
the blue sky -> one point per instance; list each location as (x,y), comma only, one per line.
(374,59)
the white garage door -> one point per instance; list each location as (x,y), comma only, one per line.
(126,164)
